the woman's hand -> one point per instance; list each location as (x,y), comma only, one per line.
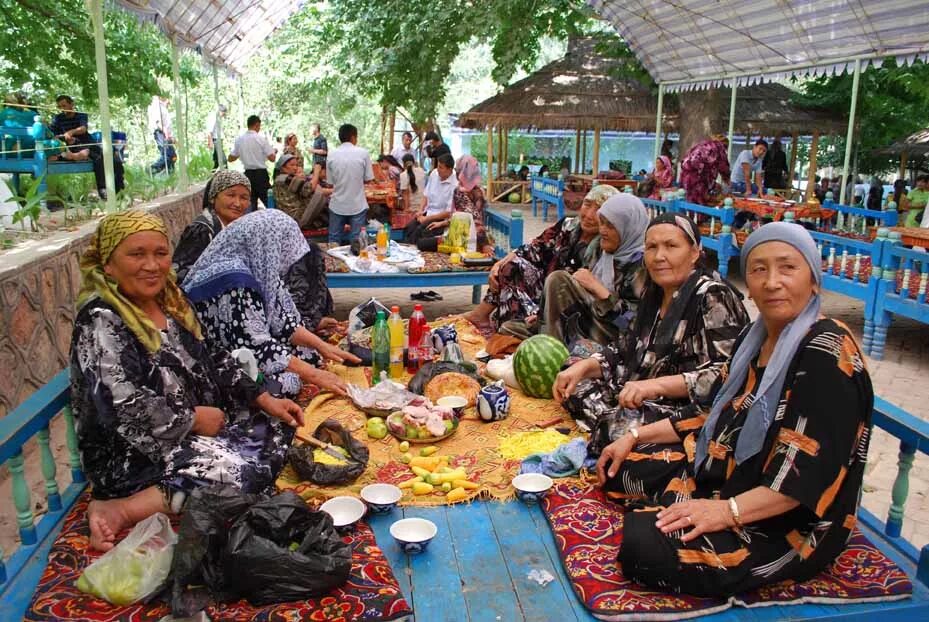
(208,421)
(566,380)
(699,515)
(613,455)
(635,392)
(286,410)
(586,279)
(327,381)
(337,354)
(326,323)
(421,219)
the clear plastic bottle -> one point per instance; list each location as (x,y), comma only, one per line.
(395,325)
(382,241)
(387,229)
(380,347)
(415,337)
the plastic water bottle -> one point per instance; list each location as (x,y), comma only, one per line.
(382,242)
(395,325)
(415,337)
(387,251)
(380,350)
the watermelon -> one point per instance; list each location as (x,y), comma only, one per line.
(515,197)
(536,363)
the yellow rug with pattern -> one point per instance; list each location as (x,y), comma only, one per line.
(474,446)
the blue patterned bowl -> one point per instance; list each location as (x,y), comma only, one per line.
(345,511)
(381,498)
(413,535)
(531,487)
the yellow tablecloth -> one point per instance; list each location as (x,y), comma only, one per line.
(474,446)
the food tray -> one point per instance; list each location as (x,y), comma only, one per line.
(424,441)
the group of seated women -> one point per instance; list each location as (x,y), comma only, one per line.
(746,469)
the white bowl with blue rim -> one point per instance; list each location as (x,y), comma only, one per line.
(531,487)
(345,511)
(381,498)
(413,535)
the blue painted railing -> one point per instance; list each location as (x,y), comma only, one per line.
(546,192)
(892,298)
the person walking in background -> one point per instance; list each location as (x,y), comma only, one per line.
(775,166)
(348,168)
(255,152)
(214,136)
(320,148)
(702,164)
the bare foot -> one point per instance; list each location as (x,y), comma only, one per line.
(107,519)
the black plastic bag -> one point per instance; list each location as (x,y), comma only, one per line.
(430,370)
(330,431)
(232,545)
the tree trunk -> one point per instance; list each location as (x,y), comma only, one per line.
(702,113)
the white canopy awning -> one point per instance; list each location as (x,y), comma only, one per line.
(225,31)
(687,44)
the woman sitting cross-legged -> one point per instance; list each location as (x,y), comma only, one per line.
(159,410)
(226,198)
(238,289)
(765,488)
(682,335)
(599,301)
(516,282)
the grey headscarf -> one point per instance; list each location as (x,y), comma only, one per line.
(628,216)
(281,161)
(223,180)
(761,412)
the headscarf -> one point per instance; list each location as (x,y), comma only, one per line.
(255,251)
(469,173)
(600,193)
(281,161)
(665,176)
(223,180)
(762,410)
(112,230)
(628,216)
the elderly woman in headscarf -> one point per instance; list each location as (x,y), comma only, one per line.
(701,166)
(659,179)
(684,329)
(299,196)
(599,301)
(222,204)
(160,410)
(516,282)
(765,488)
(239,290)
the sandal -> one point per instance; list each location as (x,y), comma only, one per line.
(433,295)
(424,296)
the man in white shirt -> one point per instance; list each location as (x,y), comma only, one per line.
(406,148)
(438,206)
(348,167)
(255,152)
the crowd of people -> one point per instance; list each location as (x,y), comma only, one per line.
(744,471)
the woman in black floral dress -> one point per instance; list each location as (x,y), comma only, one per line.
(765,487)
(159,410)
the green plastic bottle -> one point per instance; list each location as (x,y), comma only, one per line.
(380,350)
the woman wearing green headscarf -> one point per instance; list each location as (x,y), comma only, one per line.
(159,410)
(517,280)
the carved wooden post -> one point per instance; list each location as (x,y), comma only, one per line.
(48,471)
(22,501)
(74,457)
(900,490)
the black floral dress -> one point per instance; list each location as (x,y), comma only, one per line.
(307,284)
(814,452)
(522,280)
(194,240)
(134,412)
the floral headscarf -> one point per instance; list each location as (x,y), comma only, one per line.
(600,193)
(665,176)
(469,173)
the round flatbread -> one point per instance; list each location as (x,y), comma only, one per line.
(453,383)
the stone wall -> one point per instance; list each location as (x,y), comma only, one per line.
(39,282)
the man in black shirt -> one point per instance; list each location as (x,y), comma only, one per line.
(435,147)
(320,147)
(70,127)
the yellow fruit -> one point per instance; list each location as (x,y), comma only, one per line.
(404,447)
(467,485)
(420,471)
(451,476)
(446,487)
(428,451)
(430,463)
(458,494)
(422,488)
(409,483)
(405,458)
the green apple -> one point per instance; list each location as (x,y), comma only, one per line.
(376,428)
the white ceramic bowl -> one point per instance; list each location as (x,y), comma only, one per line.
(381,498)
(344,510)
(531,487)
(455,402)
(413,535)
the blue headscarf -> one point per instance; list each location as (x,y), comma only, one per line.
(761,412)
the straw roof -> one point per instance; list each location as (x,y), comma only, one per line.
(916,144)
(579,92)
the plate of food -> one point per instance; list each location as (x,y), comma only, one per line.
(422,424)
(383,398)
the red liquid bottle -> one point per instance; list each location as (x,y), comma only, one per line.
(414,358)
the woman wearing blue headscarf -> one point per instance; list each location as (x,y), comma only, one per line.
(768,482)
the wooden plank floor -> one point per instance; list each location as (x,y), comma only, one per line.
(476,570)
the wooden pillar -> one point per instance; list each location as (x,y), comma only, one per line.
(490,164)
(577,152)
(506,150)
(903,158)
(596,154)
(501,165)
(811,174)
(583,162)
(793,159)
(393,126)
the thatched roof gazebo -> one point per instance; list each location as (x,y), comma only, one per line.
(912,151)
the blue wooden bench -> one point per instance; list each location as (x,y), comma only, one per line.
(25,159)
(892,298)
(506,231)
(476,567)
(545,192)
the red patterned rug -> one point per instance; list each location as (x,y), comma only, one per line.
(372,592)
(588,532)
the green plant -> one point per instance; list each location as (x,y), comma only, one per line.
(31,204)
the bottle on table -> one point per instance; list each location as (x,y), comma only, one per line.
(380,348)
(387,229)
(415,337)
(382,241)
(395,325)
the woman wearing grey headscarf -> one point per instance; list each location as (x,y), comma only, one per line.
(767,484)
(599,300)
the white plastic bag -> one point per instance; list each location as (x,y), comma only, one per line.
(135,568)
(462,232)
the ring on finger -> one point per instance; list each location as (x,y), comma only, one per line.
(690,521)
